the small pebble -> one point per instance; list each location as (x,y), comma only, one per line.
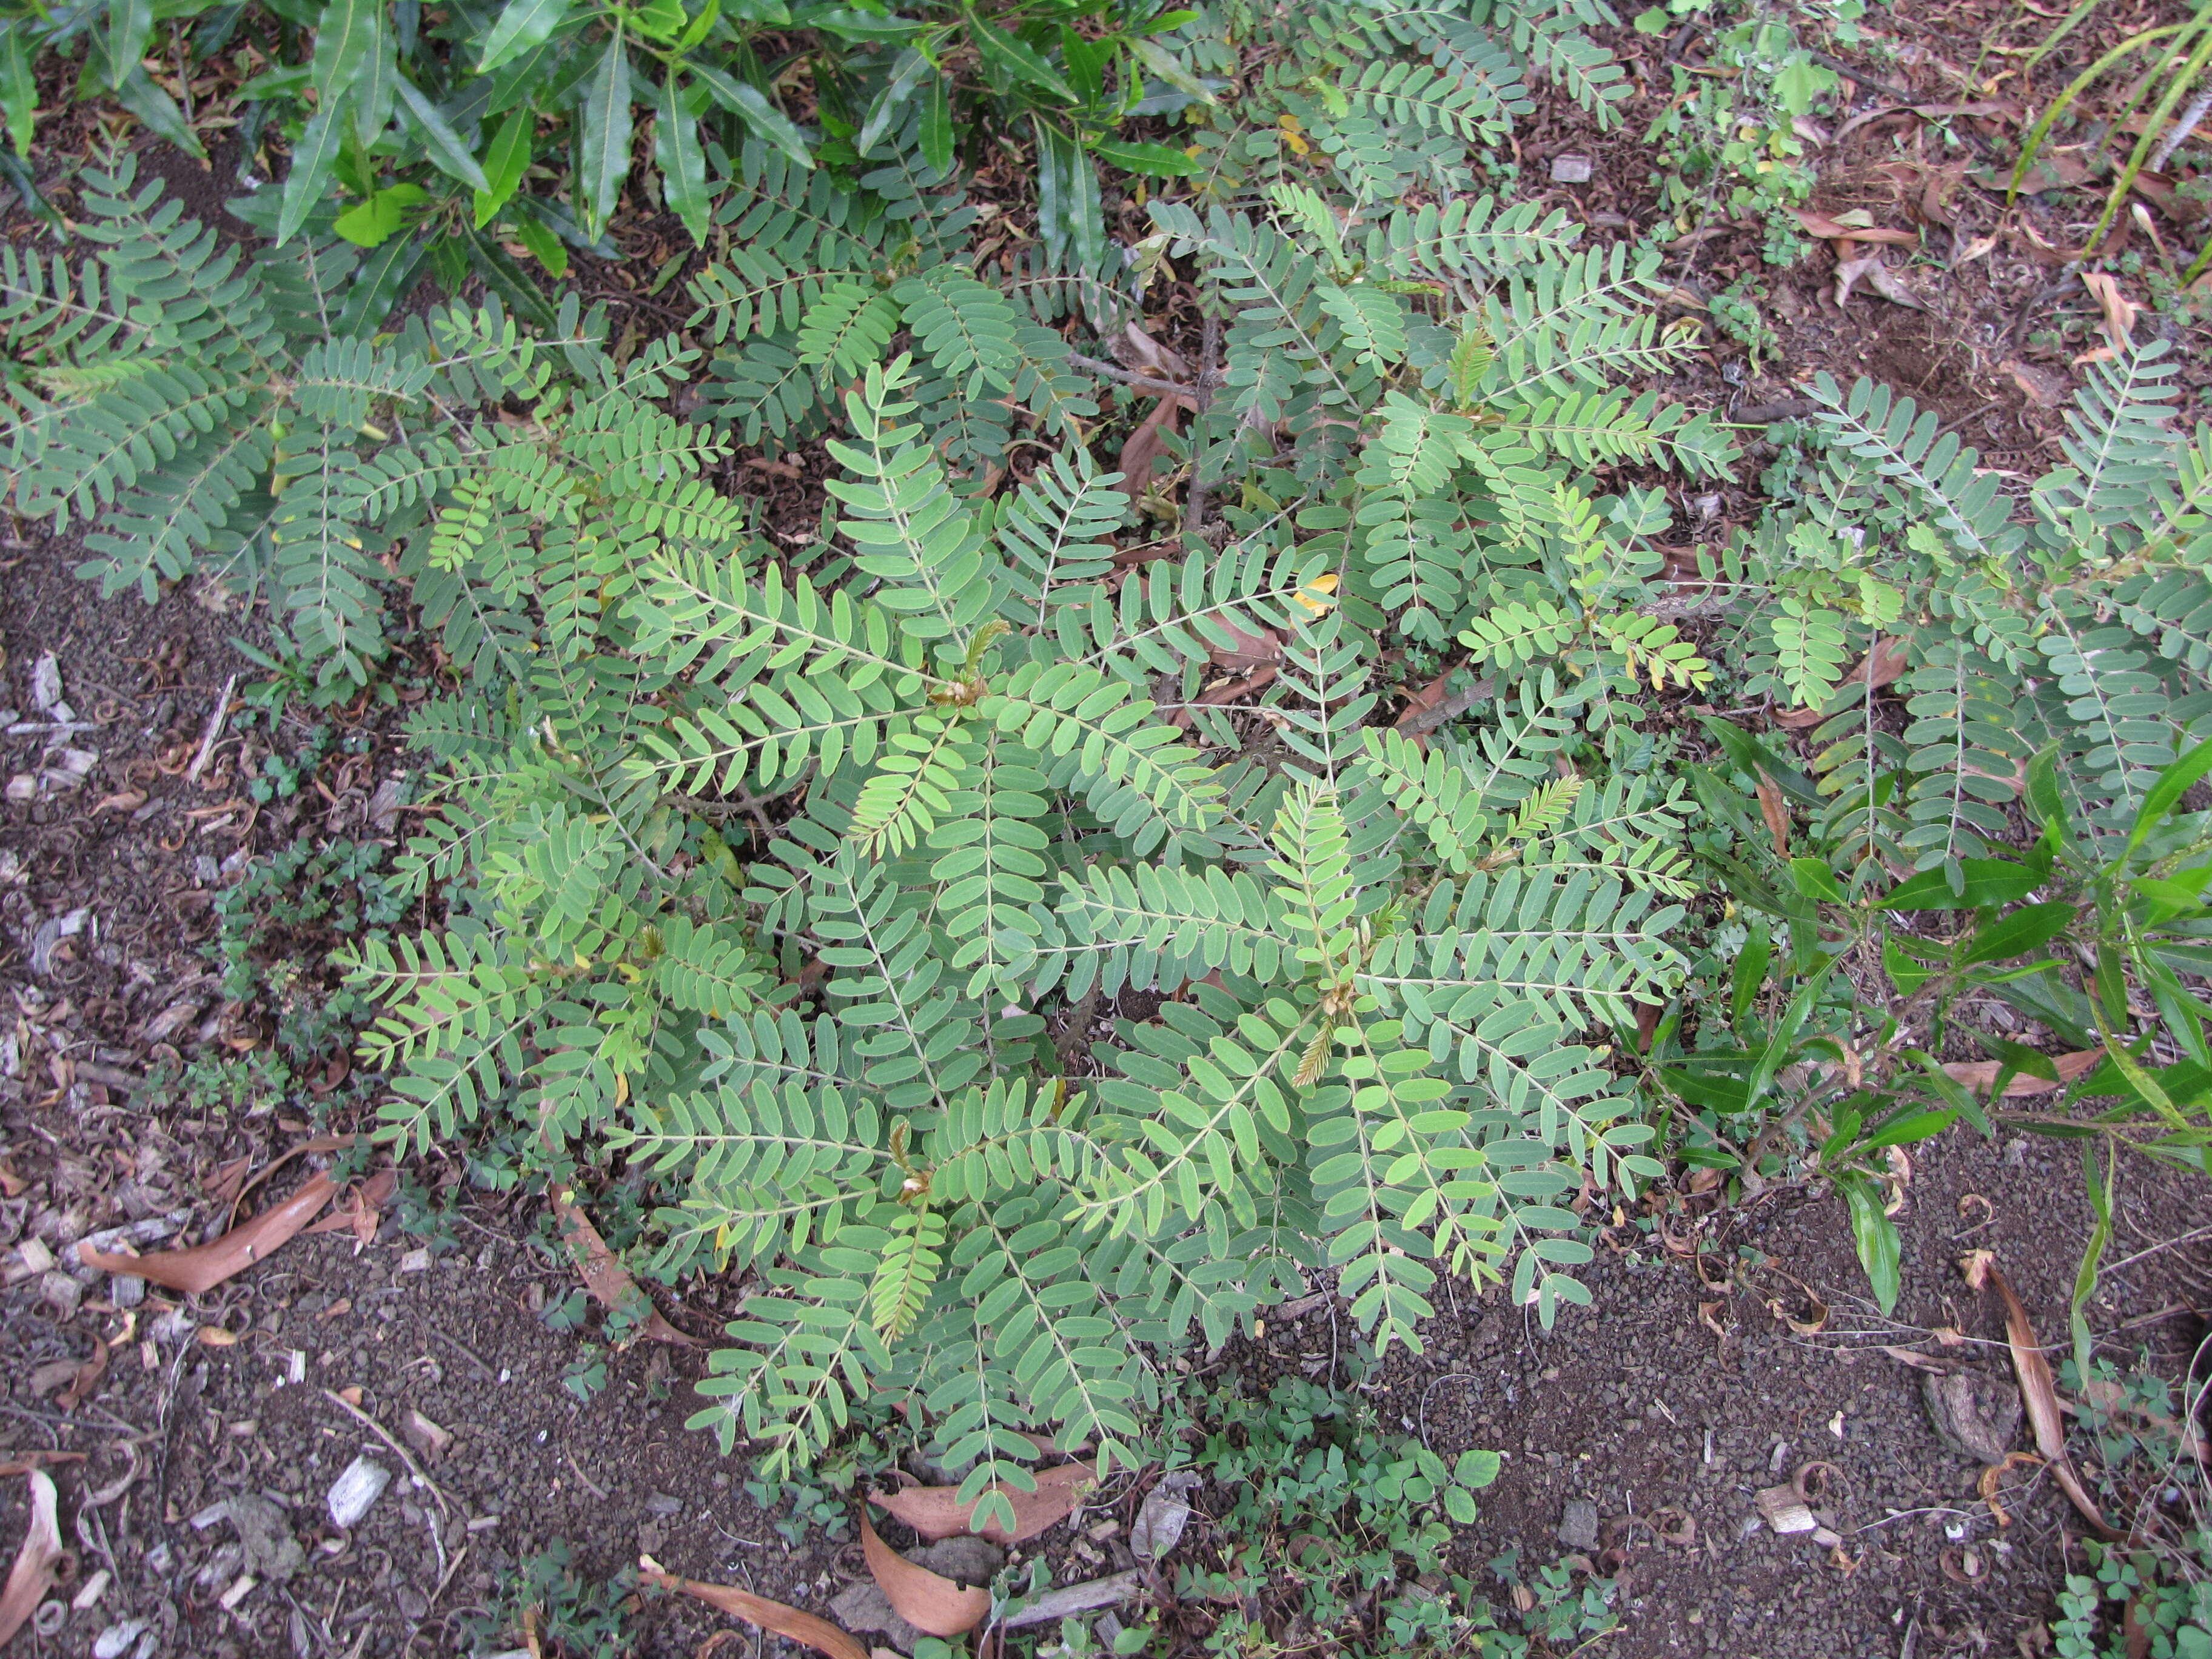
(1571,169)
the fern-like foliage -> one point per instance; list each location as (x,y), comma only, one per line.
(203,411)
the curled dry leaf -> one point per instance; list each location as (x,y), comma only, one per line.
(38,1562)
(606,1279)
(1993,1477)
(784,1620)
(1979,1074)
(1244,650)
(928,1601)
(22,1462)
(1819,224)
(1776,811)
(204,1266)
(1163,1517)
(2119,310)
(936,1512)
(2039,1392)
(358,1211)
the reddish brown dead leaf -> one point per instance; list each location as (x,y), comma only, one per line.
(1874,670)
(84,1379)
(2046,388)
(1819,224)
(786,1621)
(38,1562)
(1140,451)
(607,1280)
(1776,811)
(22,1462)
(2119,310)
(928,1601)
(1245,650)
(2040,1393)
(359,1211)
(936,1512)
(1979,1074)
(122,801)
(206,1266)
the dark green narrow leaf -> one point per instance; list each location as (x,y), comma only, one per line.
(382,281)
(524,26)
(157,112)
(446,150)
(682,163)
(505,163)
(311,161)
(376,89)
(19,91)
(1880,1251)
(343,42)
(130,25)
(936,125)
(750,105)
(509,279)
(1006,54)
(906,76)
(603,143)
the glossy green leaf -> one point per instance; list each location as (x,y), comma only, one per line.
(505,165)
(751,106)
(682,163)
(2017,934)
(1007,53)
(312,160)
(345,41)
(372,222)
(1986,881)
(523,26)
(603,139)
(936,133)
(1157,160)
(19,91)
(545,246)
(1875,1235)
(907,74)
(130,26)
(444,145)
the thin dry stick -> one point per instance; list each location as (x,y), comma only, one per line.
(397,1451)
(214,730)
(1209,354)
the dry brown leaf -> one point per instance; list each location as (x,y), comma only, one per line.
(1925,111)
(1876,669)
(38,1562)
(22,1462)
(1980,1074)
(1819,224)
(936,1512)
(2119,310)
(122,801)
(1894,288)
(1776,811)
(359,1211)
(928,1601)
(204,1266)
(786,1621)
(607,1280)
(1141,449)
(2046,389)
(1245,650)
(84,1379)
(2040,1393)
